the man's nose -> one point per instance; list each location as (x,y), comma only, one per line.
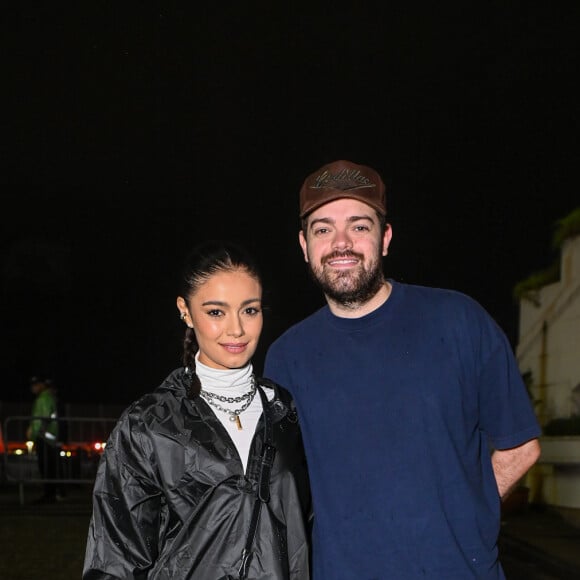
(341,240)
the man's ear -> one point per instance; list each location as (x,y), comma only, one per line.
(303,244)
(387,235)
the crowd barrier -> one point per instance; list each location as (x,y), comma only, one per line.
(72,457)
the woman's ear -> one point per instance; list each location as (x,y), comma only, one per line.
(183,311)
(181,305)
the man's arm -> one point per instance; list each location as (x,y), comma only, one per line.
(509,465)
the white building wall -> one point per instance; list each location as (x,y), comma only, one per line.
(558,307)
(571,259)
(549,347)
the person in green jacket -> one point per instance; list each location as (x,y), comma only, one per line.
(43,431)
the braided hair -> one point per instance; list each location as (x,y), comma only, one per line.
(203,262)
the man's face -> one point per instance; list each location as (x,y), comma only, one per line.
(37,387)
(343,245)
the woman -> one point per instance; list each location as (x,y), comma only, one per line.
(206,478)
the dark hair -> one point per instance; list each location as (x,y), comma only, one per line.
(203,262)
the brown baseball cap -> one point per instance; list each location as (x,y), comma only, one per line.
(341,179)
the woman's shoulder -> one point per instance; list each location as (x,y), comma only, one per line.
(166,395)
(278,392)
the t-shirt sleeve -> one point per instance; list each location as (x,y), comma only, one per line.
(506,410)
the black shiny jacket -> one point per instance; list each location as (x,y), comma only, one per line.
(171,499)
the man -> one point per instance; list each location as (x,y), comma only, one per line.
(415,418)
(43,430)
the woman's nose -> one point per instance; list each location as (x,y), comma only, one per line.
(235,327)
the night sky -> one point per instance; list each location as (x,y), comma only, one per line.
(130,134)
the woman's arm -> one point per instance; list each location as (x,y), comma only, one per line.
(124,528)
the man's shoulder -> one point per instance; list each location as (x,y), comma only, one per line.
(433,295)
(430,291)
(450,309)
(300,328)
(46,397)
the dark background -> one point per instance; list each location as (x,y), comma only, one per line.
(130,133)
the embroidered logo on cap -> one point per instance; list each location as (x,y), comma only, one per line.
(344,180)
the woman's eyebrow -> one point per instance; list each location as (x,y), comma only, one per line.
(214,303)
(225,304)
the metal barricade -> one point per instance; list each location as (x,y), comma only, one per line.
(72,457)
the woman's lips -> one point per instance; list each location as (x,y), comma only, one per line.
(235,348)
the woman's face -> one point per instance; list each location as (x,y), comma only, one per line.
(226,314)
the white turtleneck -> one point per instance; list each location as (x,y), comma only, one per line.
(233,383)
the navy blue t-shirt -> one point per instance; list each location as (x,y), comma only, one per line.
(400,410)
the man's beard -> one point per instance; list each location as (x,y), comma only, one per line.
(351,287)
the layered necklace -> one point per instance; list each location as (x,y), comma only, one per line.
(234,414)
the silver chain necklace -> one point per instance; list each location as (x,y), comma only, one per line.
(234,414)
